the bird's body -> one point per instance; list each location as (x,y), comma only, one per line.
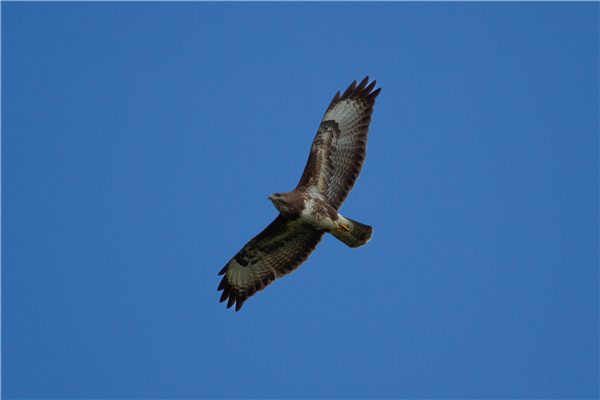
(311,210)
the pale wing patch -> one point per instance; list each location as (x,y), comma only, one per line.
(346,114)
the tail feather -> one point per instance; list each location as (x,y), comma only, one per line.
(357,235)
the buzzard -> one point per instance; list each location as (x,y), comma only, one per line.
(311,210)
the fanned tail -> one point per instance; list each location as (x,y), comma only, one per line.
(357,235)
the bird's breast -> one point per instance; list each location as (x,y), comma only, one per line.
(319,214)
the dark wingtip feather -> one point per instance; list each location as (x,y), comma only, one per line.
(240,302)
(223,284)
(225,268)
(374,94)
(362,85)
(369,88)
(224,296)
(334,101)
(349,91)
(232,297)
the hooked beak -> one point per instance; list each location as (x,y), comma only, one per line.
(272,197)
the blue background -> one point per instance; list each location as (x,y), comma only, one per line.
(140,142)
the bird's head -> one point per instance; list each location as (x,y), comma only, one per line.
(281,201)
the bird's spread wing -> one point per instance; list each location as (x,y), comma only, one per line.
(339,149)
(273,253)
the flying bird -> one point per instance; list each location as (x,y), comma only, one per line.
(311,210)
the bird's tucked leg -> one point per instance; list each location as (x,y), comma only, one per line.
(352,233)
(343,228)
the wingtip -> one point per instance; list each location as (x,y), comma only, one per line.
(362,85)
(223,284)
(231,300)
(361,90)
(374,94)
(349,91)
(334,101)
(224,296)
(238,305)
(370,88)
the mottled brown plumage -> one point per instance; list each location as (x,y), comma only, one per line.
(311,210)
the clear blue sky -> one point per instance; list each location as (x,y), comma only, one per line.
(140,142)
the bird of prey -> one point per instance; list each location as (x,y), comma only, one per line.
(311,210)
